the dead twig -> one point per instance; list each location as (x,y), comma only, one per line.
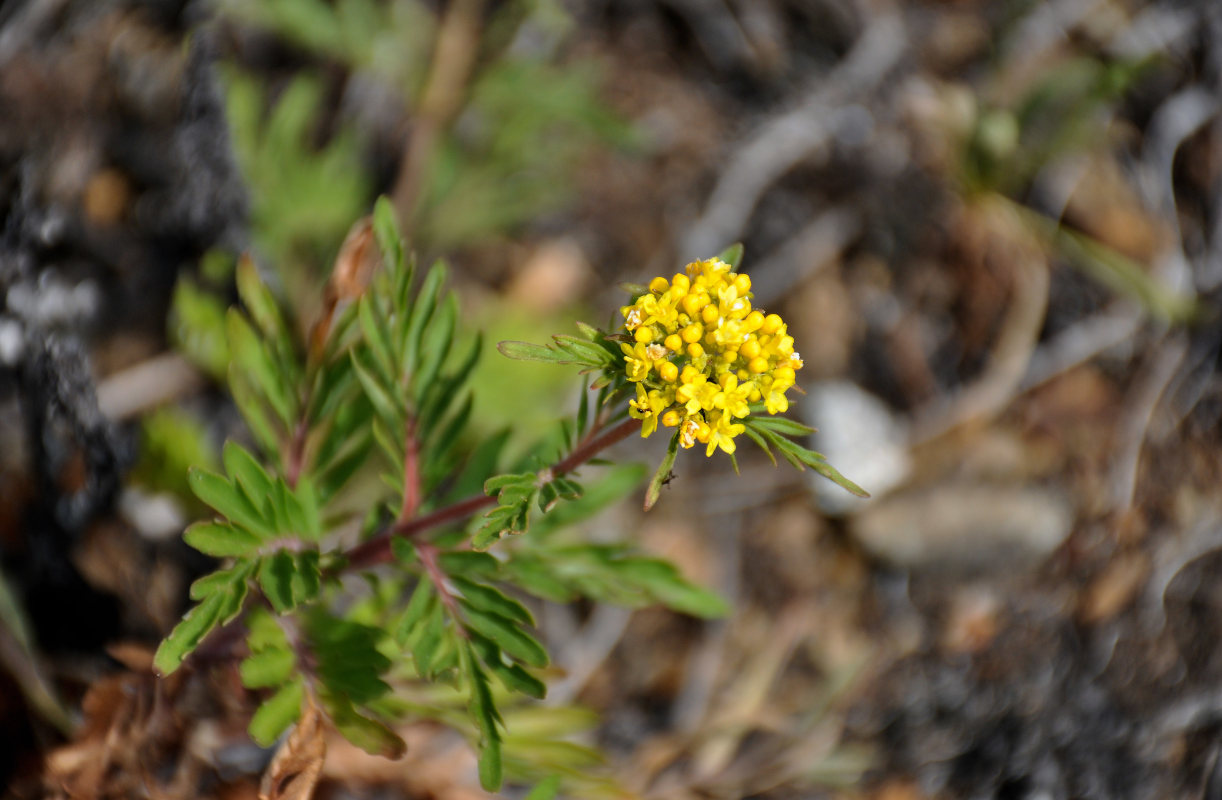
(147,385)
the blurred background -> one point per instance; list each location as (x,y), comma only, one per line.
(995,228)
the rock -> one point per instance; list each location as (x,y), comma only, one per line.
(861,438)
(965,527)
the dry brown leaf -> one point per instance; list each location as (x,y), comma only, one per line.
(355,265)
(294,771)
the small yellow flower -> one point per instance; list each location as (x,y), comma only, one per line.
(701,354)
(723,431)
(646,407)
(733,398)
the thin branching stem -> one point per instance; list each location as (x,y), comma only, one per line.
(376,550)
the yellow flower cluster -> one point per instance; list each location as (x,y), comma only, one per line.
(700,355)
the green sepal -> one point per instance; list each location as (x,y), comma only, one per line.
(732,255)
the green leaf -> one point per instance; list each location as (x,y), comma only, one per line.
(435,348)
(386,229)
(266,669)
(490,768)
(536,578)
(467,562)
(259,300)
(447,435)
(377,337)
(614,485)
(546,789)
(507,635)
(254,411)
(333,389)
(287,498)
(249,354)
(549,495)
(378,395)
(422,312)
(307,577)
(513,676)
(368,734)
(482,709)
(425,648)
(516,480)
(525,351)
(277,713)
(197,327)
(488,598)
(349,662)
(664,583)
(246,472)
(423,601)
(781,425)
(584,352)
(220,540)
(568,489)
(759,441)
(265,632)
(589,331)
(583,407)
(339,472)
(223,496)
(517,679)
(732,255)
(188,633)
(215,582)
(662,473)
(831,473)
(307,499)
(276,580)
(439,394)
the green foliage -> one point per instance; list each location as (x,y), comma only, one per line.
(197,327)
(172,442)
(304,196)
(386,391)
(529,123)
(390,39)
(1062,114)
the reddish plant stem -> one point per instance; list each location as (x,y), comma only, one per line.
(411,473)
(377,549)
(295,460)
(428,557)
